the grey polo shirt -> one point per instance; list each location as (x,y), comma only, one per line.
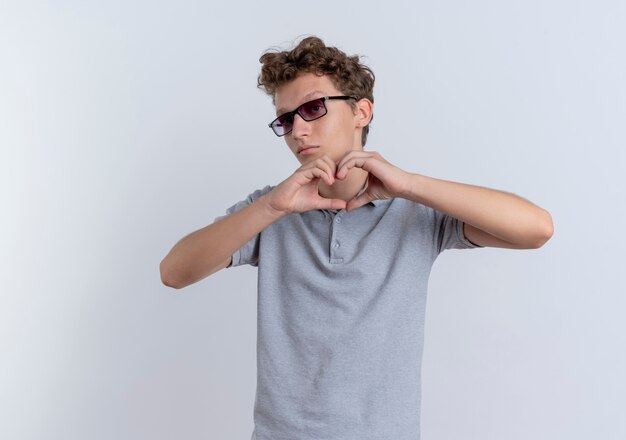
(340,323)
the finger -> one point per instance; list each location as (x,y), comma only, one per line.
(319,173)
(359,201)
(351,155)
(318,169)
(359,162)
(327,166)
(375,156)
(331,203)
(331,163)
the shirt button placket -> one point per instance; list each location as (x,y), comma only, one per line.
(335,253)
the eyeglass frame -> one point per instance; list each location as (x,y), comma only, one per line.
(297,111)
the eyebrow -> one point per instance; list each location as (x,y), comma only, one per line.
(309,96)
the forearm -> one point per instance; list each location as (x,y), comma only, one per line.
(501,214)
(205,251)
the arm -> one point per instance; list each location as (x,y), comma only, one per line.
(210,249)
(491,217)
(204,252)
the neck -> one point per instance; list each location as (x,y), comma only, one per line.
(345,189)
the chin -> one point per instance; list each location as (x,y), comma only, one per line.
(308,157)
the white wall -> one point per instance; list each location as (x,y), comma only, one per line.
(125,125)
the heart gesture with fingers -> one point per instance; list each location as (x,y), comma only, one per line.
(299,192)
(384,180)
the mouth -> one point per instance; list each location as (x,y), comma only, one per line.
(305,148)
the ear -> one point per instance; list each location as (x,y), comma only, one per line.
(363,112)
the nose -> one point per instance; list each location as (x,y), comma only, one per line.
(300,127)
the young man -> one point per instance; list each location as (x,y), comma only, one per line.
(344,247)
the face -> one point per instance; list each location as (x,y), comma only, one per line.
(334,134)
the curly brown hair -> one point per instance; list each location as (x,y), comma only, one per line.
(311,55)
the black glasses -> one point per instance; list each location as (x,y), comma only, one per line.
(309,111)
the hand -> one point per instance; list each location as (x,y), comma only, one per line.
(299,192)
(385,180)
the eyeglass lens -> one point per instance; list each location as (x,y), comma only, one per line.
(309,111)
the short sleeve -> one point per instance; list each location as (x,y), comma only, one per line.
(449,233)
(249,252)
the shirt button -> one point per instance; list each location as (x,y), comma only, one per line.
(336,245)
(338,220)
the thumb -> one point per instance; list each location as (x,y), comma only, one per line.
(331,203)
(359,201)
